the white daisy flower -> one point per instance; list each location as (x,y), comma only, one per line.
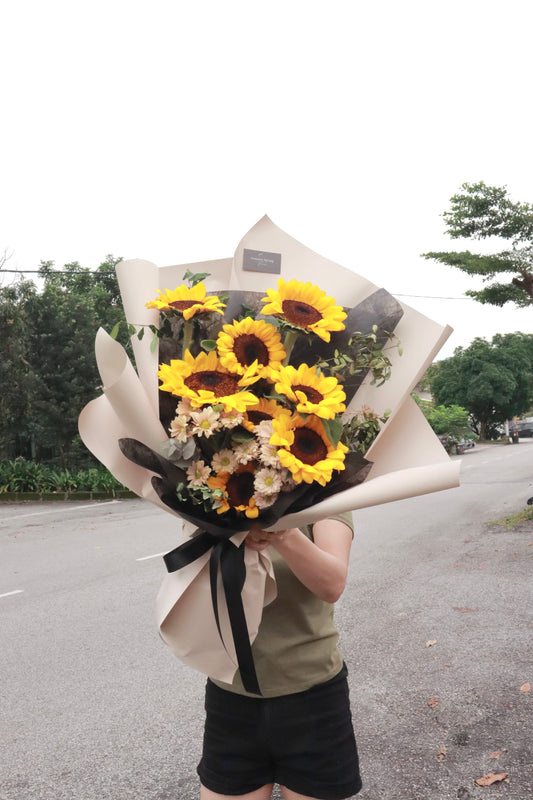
(267,481)
(230,419)
(224,461)
(264,501)
(178,428)
(205,422)
(198,473)
(264,431)
(269,456)
(184,407)
(246,451)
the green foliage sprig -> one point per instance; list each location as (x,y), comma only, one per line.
(364,352)
(360,432)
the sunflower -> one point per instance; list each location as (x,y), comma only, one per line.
(187,301)
(238,488)
(264,410)
(305,306)
(204,381)
(305,450)
(250,341)
(311,391)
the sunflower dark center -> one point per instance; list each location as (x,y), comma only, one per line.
(220,383)
(308,446)
(240,488)
(312,395)
(248,348)
(299,313)
(256,417)
(181,305)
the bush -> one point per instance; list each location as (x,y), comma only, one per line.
(20,475)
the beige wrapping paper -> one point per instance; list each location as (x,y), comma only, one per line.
(408,458)
(185,595)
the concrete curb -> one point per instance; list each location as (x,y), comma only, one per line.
(42,497)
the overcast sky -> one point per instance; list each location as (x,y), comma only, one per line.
(165,129)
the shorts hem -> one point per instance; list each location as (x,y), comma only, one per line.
(341,791)
(217,784)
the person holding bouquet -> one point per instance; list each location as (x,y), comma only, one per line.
(254,420)
(298,732)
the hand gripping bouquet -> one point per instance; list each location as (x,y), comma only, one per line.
(272,391)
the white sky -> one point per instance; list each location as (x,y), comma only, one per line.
(165,129)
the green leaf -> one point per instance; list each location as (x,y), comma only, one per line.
(333,428)
(274,321)
(208,344)
(247,311)
(140,333)
(195,277)
(241,435)
(114,332)
(153,343)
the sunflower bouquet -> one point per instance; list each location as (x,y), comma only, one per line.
(253,436)
(258,404)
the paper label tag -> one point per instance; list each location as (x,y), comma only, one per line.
(260,261)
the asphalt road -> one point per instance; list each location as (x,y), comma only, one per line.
(94,707)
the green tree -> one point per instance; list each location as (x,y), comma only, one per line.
(479,211)
(54,371)
(17,379)
(450,421)
(492,380)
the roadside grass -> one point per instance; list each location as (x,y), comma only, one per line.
(513,520)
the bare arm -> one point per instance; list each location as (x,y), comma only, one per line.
(322,565)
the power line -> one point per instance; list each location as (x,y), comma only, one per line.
(431,296)
(111,272)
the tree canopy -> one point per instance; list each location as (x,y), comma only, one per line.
(449,421)
(492,380)
(479,211)
(47,366)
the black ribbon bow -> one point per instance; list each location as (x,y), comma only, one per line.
(228,560)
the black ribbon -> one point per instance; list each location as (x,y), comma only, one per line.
(228,560)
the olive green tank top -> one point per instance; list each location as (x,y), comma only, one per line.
(296,645)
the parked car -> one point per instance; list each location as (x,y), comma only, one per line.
(464,444)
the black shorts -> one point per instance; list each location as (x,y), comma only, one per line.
(304,741)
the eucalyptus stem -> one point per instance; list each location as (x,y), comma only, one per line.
(288,344)
(187,336)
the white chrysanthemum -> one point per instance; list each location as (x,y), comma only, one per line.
(198,473)
(178,428)
(269,456)
(267,481)
(184,407)
(263,500)
(205,422)
(246,451)
(230,419)
(224,461)
(264,431)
